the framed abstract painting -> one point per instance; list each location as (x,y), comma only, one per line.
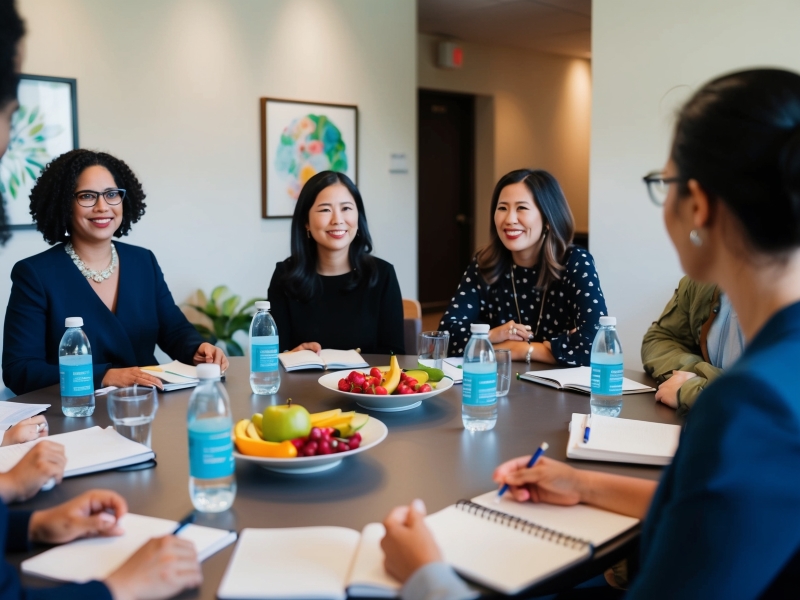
(298,140)
(44,127)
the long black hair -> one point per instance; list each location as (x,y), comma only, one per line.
(739,138)
(302,280)
(494,259)
(52,196)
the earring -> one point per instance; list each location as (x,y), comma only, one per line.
(308,233)
(694,237)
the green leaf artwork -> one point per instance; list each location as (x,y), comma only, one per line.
(220,309)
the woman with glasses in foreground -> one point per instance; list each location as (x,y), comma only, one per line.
(722,522)
(82,199)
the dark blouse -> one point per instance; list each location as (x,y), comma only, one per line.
(573,302)
(369,318)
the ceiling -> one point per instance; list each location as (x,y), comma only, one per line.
(553,26)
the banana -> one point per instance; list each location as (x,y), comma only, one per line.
(391,378)
(317,418)
(257,419)
(254,432)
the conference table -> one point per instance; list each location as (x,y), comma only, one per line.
(427,454)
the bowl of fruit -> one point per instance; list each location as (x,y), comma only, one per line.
(289,439)
(390,389)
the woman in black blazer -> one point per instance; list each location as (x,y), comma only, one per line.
(83,199)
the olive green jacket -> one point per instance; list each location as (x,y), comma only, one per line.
(678,340)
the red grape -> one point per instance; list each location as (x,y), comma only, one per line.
(324,447)
(403,376)
(344,385)
(351,376)
(299,443)
(425,387)
(411,382)
(310,449)
(380,390)
(375,372)
(353,443)
(315,434)
(343,447)
(355,436)
(358,378)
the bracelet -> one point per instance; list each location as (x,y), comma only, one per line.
(530,351)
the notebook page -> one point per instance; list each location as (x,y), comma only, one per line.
(581,378)
(97,558)
(302,359)
(367,575)
(497,556)
(299,562)
(342,359)
(624,440)
(12,413)
(581,521)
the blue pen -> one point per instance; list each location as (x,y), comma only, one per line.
(587,427)
(187,520)
(536,455)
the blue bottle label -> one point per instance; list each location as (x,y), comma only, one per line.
(607,379)
(76,375)
(210,448)
(264,353)
(479,387)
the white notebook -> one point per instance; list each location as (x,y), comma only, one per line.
(329,359)
(88,451)
(579,379)
(507,547)
(12,413)
(96,558)
(315,563)
(623,440)
(175,375)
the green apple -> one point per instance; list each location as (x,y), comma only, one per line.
(285,422)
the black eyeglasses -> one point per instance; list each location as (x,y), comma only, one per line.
(88,198)
(658,186)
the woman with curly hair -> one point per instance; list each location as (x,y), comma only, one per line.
(81,200)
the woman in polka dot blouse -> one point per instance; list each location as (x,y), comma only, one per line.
(549,311)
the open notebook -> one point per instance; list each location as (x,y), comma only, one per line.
(175,375)
(12,413)
(88,451)
(507,547)
(96,558)
(623,440)
(327,359)
(579,379)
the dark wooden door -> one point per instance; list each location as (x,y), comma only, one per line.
(446,193)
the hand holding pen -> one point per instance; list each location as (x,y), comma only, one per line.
(546,480)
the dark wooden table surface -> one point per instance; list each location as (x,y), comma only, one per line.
(427,455)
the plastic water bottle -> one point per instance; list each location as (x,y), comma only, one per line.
(479,389)
(212,482)
(75,370)
(265,377)
(606,370)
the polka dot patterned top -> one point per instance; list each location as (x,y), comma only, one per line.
(573,302)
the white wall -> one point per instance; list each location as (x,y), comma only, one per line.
(172,87)
(540,111)
(647,58)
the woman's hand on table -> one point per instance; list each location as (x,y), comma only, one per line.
(313,346)
(26,431)
(161,568)
(130,376)
(668,391)
(549,481)
(93,513)
(408,543)
(510,332)
(208,353)
(45,461)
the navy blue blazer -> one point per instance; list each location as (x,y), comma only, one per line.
(725,521)
(48,288)
(14,538)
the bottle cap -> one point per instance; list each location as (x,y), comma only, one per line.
(608,321)
(262,305)
(208,371)
(479,328)
(73,322)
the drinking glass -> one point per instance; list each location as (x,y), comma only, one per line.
(432,345)
(132,409)
(503,358)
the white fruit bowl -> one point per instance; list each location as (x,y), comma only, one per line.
(372,434)
(388,403)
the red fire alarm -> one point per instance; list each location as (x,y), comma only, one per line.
(451,55)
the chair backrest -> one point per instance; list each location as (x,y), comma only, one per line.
(412,309)
(411,330)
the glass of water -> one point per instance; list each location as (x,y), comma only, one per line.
(503,358)
(432,345)
(132,410)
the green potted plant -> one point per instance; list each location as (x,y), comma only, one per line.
(221,310)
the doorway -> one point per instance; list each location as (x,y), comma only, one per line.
(446,194)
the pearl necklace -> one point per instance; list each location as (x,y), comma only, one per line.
(99,277)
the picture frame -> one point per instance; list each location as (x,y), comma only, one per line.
(298,140)
(44,126)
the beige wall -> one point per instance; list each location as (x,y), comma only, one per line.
(647,57)
(173,86)
(533,111)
